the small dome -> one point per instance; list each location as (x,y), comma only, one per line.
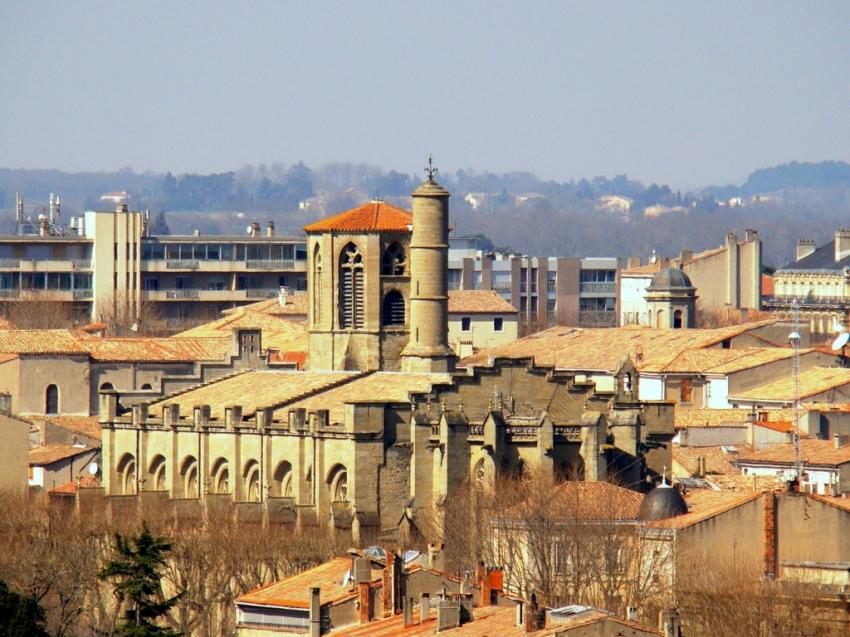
(670,278)
(663,502)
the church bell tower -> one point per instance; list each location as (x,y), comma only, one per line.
(427,349)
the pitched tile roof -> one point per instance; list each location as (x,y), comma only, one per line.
(277,332)
(717,460)
(86,425)
(705,417)
(40,342)
(252,390)
(726,361)
(603,349)
(644,270)
(48,454)
(823,258)
(591,501)
(702,505)
(130,349)
(377,387)
(375,216)
(812,382)
(294,592)
(296,306)
(813,452)
(478,302)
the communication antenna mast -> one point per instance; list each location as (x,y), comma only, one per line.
(794,337)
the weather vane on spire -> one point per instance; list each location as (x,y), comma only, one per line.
(431,170)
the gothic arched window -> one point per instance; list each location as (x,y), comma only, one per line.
(51,400)
(393,308)
(317,285)
(394,260)
(352,310)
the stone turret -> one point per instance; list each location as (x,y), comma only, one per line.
(428,349)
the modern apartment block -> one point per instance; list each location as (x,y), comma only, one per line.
(105,265)
(546,290)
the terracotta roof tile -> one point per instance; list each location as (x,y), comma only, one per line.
(40,342)
(378,387)
(478,302)
(294,592)
(589,501)
(812,382)
(726,361)
(157,349)
(375,216)
(49,454)
(704,504)
(717,460)
(277,332)
(296,306)
(813,452)
(705,417)
(85,425)
(252,390)
(603,349)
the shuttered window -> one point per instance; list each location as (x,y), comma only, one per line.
(393,309)
(352,303)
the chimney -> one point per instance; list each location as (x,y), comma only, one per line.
(270,229)
(435,557)
(121,207)
(43,226)
(196,233)
(751,235)
(731,238)
(364,601)
(408,611)
(842,243)
(770,535)
(804,248)
(685,256)
(836,441)
(448,614)
(633,262)
(282,295)
(424,607)
(255,229)
(19,208)
(700,466)
(388,585)
(315,613)
(669,623)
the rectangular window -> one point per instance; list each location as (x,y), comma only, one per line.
(150,283)
(497,324)
(686,391)
(226,252)
(283,280)
(465,324)
(184,282)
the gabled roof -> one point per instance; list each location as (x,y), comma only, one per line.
(277,332)
(589,502)
(294,592)
(48,454)
(726,361)
(40,342)
(812,382)
(478,302)
(182,350)
(85,425)
(813,452)
(375,216)
(823,258)
(296,305)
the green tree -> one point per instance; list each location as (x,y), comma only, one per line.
(20,616)
(159,226)
(136,574)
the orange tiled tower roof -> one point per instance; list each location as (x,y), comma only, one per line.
(370,217)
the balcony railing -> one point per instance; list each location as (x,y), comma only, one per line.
(597,318)
(82,264)
(270,264)
(502,286)
(83,294)
(9,293)
(598,288)
(10,263)
(807,301)
(262,293)
(188,293)
(182,264)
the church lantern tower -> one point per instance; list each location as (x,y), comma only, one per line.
(427,349)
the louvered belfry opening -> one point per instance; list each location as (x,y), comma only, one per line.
(352,309)
(393,309)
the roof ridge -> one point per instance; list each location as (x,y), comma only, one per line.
(201,383)
(317,390)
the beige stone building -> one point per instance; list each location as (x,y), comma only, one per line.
(480,319)
(382,426)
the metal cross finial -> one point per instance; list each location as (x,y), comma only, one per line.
(431,170)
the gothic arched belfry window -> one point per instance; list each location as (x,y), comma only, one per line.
(317,285)
(394,261)
(352,311)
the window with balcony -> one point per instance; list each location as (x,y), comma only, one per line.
(150,283)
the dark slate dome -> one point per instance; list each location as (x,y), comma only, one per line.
(670,278)
(663,502)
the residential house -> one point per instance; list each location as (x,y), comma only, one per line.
(825,463)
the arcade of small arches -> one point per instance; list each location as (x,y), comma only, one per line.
(283,483)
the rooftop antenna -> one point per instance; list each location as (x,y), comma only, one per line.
(794,338)
(431,170)
(19,209)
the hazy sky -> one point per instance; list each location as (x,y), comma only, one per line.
(684,93)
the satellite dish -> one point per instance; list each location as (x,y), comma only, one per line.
(248,229)
(93,468)
(840,341)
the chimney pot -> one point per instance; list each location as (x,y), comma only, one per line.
(836,441)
